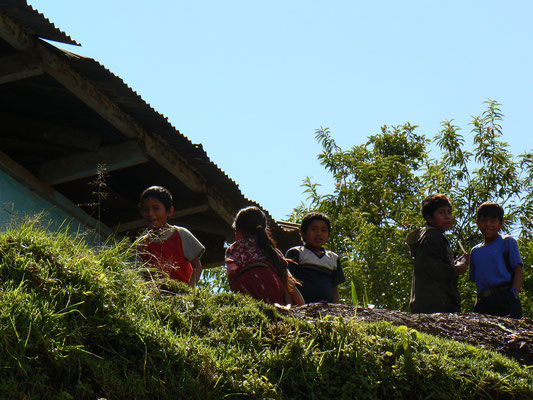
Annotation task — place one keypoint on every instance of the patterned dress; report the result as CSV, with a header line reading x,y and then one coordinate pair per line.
x,y
250,272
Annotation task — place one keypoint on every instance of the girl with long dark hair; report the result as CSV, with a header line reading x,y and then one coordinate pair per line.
x,y
255,266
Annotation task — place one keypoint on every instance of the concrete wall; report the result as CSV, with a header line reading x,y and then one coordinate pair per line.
x,y
19,198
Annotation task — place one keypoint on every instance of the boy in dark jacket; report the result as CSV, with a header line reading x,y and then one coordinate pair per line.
x,y
436,273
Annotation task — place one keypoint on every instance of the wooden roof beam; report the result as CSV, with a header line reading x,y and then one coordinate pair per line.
x,y
20,66
221,206
64,136
72,137
82,88
211,227
86,164
156,147
15,34
139,223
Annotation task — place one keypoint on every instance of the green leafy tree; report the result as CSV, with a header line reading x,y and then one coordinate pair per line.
x,y
379,187
375,199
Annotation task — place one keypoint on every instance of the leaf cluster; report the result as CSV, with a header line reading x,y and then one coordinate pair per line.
x,y
380,185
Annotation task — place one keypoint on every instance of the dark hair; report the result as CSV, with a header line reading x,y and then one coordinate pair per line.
x,y
160,193
251,221
314,216
433,202
490,209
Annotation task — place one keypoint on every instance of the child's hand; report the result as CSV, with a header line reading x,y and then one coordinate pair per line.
x,y
462,263
464,259
461,268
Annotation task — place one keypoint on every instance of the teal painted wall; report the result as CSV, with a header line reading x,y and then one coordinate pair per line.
x,y
18,201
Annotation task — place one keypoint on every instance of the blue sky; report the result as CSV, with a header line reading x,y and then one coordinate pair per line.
x,y
252,80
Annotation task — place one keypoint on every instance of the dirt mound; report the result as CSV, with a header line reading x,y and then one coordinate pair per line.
x,y
511,337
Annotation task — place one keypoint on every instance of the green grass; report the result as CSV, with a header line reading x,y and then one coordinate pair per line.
x,y
78,323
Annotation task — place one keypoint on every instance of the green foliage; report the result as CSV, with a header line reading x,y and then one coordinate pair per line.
x,y
79,323
214,280
379,187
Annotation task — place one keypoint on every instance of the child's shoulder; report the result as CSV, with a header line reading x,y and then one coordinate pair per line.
x,y
331,253
425,234
242,244
502,242
296,249
159,235
508,238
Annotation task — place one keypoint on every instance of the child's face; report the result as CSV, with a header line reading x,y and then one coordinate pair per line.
x,y
155,213
441,219
317,234
489,227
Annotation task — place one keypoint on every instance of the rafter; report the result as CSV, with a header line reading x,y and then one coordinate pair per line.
x,y
14,34
86,164
39,131
20,66
139,223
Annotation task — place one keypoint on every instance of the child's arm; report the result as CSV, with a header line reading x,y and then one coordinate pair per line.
x,y
196,272
462,263
518,277
335,292
296,297
433,256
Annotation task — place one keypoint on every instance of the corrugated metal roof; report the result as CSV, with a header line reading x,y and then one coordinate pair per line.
x,y
289,226
34,21
133,104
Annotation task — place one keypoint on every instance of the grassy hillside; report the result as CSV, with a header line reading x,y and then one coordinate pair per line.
x,y
78,323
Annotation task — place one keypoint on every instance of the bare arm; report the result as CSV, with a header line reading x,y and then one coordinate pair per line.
x,y
518,277
462,263
296,297
196,272
335,292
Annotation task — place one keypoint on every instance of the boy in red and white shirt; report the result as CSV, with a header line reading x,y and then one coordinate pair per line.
x,y
169,250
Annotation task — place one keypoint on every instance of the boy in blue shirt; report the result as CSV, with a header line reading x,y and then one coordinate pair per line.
x,y
496,266
318,270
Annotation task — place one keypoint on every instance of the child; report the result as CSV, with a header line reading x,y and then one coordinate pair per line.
x,y
172,250
255,266
319,270
496,266
435,274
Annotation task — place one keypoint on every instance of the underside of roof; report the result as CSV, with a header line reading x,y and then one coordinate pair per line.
x,y
73,127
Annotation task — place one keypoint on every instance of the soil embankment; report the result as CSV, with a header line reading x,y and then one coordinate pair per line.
x,y
511,337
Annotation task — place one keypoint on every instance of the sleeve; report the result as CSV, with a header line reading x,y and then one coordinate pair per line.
x,y
227,254
293,258
514,253
232,253
293,255
230,260
435,258
192,248
338,274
